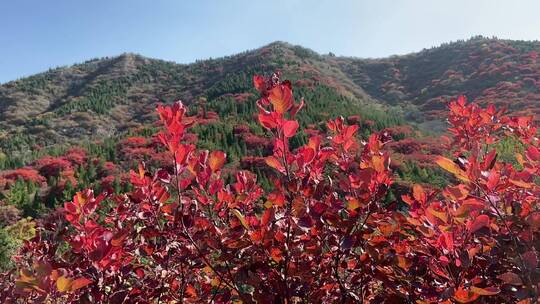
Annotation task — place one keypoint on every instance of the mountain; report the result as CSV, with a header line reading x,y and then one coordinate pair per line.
x,y
86,125
502,72
109,96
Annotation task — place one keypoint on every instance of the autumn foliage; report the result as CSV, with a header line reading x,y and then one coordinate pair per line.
x,y
327,232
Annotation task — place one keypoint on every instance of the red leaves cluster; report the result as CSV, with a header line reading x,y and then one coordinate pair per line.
x,y
52,166
279,97
326,233
26,174
479,237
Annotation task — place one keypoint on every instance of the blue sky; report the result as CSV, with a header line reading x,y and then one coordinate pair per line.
x,y
36,35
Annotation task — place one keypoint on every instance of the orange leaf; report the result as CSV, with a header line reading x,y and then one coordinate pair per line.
x,y
456,193
256,236
520,159
281,98
276,255
141,172
119,238
467,206
26,276
521,184
63,284
353,204
191,291
404,263
276,198
487,291
80,283
169,208
273,162
465,296
438,214
216,160
378,163
451,167
419,194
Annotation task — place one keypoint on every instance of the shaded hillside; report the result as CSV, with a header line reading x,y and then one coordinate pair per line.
x,y
503,72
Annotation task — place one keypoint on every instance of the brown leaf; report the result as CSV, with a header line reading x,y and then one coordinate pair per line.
x,y
510,278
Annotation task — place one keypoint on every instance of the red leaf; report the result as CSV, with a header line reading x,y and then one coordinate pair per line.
x,y
531,259
260,83
140,273
447,241
319,208
290,127
350,131
478,223
490,159
532,153
296,108
268,215
493,180
534,220
267,120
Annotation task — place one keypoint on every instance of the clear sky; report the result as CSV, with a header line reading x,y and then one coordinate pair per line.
x,y
38,34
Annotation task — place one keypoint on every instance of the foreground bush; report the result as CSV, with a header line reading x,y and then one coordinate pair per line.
x,y
328,232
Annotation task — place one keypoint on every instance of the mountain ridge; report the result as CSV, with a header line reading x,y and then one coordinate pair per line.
x,y
107,96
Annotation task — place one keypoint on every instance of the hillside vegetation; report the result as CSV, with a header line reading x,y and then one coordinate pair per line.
x,y
81,126
106,97
319,220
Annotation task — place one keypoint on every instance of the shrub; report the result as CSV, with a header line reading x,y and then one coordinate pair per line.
x,y
327,231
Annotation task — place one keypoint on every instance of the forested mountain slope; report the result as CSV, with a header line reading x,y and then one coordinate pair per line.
x,y
105,97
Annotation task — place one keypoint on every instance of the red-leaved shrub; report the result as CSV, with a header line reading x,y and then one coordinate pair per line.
x,y
326,233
